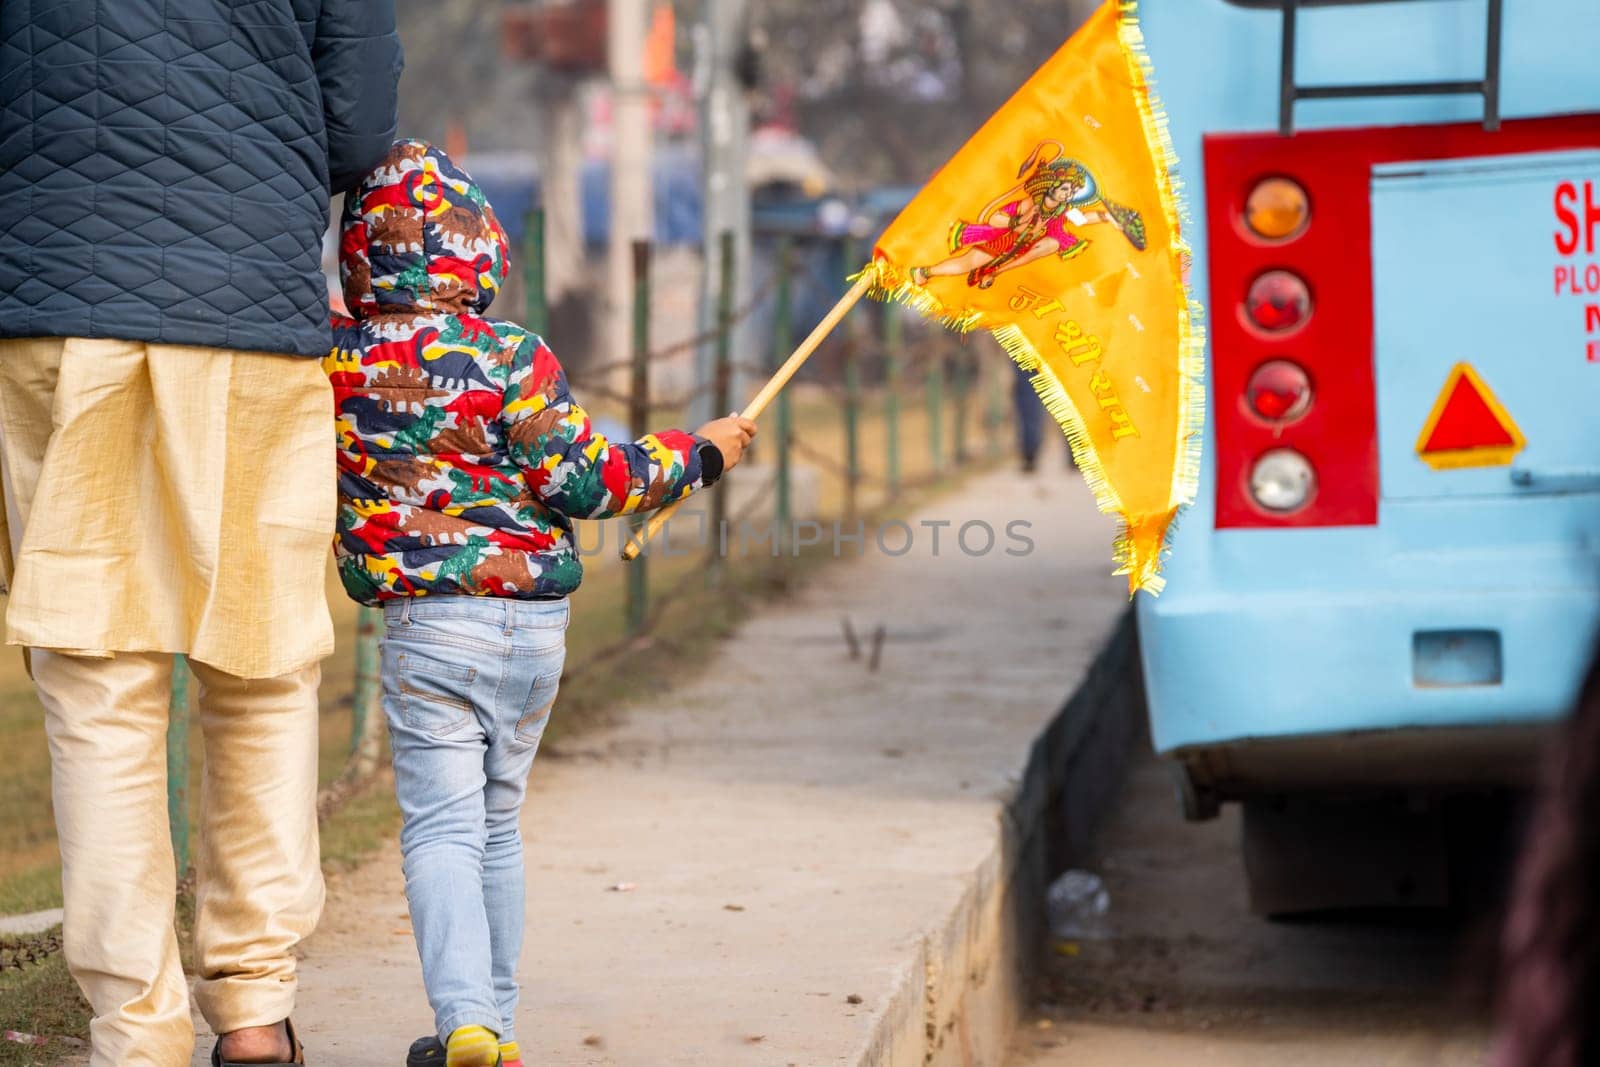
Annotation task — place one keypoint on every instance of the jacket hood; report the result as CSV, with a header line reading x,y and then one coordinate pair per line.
x,y
418,236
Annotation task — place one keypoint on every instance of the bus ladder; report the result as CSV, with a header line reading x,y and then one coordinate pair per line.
x,y
1288,91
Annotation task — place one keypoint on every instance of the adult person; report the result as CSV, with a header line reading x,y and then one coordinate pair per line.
x,y
1033,422
1031,416
165,173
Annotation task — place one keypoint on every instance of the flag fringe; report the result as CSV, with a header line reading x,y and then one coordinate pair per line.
x,y
892,285
1191,316
1061,408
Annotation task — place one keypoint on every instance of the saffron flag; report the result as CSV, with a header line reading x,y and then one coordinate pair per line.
x,y
1057,228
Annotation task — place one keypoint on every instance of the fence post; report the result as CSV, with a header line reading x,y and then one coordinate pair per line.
x,y
993,418
366,705
852,407
178,764
936,411
782,343
638,592
894,354
722,385
961,390
533,279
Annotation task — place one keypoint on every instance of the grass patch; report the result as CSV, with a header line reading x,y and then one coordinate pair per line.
x,y
32,889
41,999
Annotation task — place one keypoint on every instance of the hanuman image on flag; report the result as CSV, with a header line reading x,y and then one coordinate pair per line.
x,y
1029,221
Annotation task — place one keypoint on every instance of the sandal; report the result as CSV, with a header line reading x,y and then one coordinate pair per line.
x,y
298,1056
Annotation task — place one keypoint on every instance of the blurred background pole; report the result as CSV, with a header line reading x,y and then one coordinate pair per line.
x,y
178,764
961,387
722,385
852,425
632,218
936,409
561,156
720,68
852,403
894,354
366,705
994,399
638,591
534,284
782,345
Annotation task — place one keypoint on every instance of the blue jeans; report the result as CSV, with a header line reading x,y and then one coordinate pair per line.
x,y
468,683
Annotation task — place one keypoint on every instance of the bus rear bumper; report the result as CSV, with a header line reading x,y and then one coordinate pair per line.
x,y
1379,689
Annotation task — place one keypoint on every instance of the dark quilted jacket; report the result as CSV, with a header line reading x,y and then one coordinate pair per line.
x,y
165,165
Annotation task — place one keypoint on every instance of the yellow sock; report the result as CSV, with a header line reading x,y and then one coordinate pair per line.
x,y
471,1046
510,1054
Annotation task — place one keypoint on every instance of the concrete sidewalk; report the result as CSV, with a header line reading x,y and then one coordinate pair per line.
x,y
792,860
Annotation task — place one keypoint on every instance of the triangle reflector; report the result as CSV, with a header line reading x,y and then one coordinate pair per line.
x,y
1468,426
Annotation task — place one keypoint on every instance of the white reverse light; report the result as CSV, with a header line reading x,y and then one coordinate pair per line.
x,y
1282,480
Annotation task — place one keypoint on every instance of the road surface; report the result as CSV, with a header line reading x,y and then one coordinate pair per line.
x,y
1186,976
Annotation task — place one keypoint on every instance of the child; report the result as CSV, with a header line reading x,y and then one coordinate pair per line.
x,y
463,460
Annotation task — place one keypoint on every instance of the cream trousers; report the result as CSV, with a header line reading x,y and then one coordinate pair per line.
x,y
259,881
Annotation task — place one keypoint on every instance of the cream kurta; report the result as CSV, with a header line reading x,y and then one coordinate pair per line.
x,y
167,499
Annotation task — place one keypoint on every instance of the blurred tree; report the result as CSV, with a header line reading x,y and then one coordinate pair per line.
x,y
889,89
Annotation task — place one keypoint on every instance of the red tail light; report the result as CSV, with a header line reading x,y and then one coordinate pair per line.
x,y
1279,391
1278,301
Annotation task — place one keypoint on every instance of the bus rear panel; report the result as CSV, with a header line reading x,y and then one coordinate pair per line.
x,y
1390,576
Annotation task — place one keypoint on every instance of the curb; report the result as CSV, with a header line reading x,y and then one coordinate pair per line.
x,y
965,989
36,922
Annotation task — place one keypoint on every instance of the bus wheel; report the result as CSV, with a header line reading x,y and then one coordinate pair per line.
x,y
1309,853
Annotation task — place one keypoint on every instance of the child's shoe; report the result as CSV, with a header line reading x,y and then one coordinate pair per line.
x,y
472,1046
430,1052
426,1052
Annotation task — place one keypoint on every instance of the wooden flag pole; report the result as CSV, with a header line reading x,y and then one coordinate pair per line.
x,y
635,545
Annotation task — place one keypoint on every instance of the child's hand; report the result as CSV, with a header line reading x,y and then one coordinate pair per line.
x,y
731,435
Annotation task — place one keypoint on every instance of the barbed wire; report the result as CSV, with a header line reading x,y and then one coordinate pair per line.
x,y
916,358
17,953
828,464
690,343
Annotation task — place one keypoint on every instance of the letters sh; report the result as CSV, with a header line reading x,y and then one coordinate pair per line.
x,y
1577,223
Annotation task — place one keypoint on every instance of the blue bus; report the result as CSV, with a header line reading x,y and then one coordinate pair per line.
x,y
1389,585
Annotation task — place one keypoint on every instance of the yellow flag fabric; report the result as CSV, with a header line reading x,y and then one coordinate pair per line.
x,y
1057,228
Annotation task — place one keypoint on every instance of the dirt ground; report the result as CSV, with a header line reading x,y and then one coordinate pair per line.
x,y
1188,976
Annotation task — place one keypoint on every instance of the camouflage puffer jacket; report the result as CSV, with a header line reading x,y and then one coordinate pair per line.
x,y
463,456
